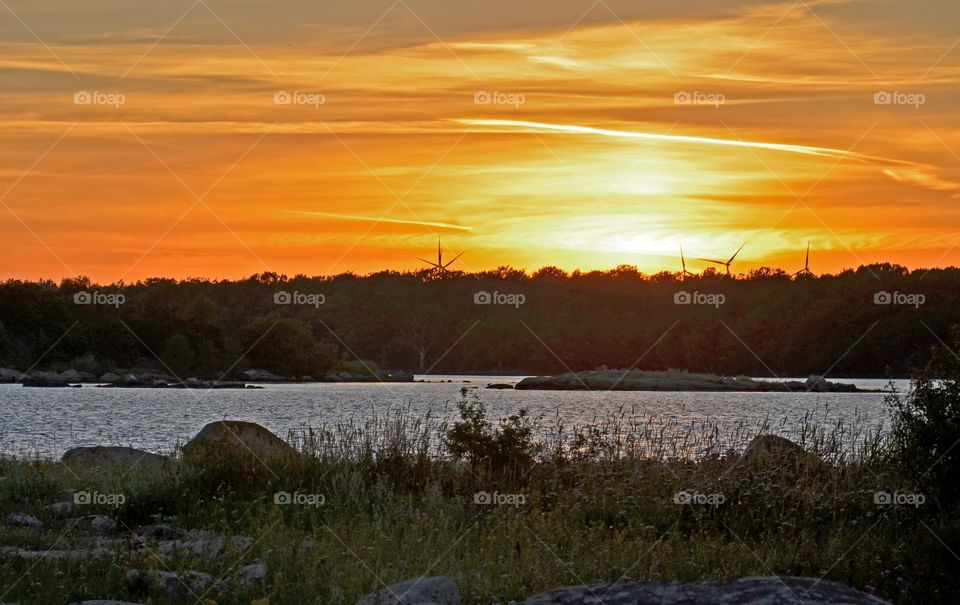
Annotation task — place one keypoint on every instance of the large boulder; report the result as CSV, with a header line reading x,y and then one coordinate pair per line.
x,y
237,437
769,590
127,461
765,447
425,590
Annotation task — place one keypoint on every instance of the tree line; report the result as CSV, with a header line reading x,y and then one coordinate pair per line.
x,y
876,320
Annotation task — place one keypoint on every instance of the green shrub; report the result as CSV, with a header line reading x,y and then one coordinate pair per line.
x,y
925,434
508,447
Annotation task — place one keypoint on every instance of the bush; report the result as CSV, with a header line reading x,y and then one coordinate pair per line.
x,y
509,446
925,435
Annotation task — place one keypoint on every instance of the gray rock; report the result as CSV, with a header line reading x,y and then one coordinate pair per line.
x,y
398,376
103,602
770,590
253,574
100,525
261,375
22,520
425,590
76,376
109,377
64,507
771,446
160,531
205,544
12,552
8,375
44,379
236,437
176,585
113,459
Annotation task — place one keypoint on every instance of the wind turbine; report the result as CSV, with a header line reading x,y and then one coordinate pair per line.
x,y
439,267
683,262
806,265
728,262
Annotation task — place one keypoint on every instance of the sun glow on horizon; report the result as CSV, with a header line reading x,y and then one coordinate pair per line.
x,y
522,141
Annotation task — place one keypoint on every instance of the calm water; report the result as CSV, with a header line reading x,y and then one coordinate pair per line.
x,y
46,422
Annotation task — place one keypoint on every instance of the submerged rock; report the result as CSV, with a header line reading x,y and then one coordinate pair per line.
x,y
433,590
768,590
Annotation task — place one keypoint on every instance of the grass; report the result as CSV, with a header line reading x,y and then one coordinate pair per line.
x,y
588,503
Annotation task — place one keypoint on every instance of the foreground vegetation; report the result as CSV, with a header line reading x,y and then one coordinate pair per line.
x,y
400,499
766,323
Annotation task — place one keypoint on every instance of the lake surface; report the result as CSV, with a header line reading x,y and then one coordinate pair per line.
x,y
46,422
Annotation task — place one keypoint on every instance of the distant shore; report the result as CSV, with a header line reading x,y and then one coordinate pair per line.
x,y
676,380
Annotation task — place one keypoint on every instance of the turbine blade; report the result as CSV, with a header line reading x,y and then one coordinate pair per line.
x,y
431,263
710,260
737,252
453,259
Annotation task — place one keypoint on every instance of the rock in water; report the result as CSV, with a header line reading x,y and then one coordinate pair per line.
x,y
113,459
425,590
236,437
769,590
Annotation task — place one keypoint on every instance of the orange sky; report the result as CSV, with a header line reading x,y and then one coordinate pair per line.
x,y
186,165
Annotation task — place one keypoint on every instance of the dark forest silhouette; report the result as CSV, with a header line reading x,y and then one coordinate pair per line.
x,y
877,320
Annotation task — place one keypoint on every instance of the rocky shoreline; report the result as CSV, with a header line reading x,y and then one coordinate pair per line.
x,y
672,380
178,549
157,380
